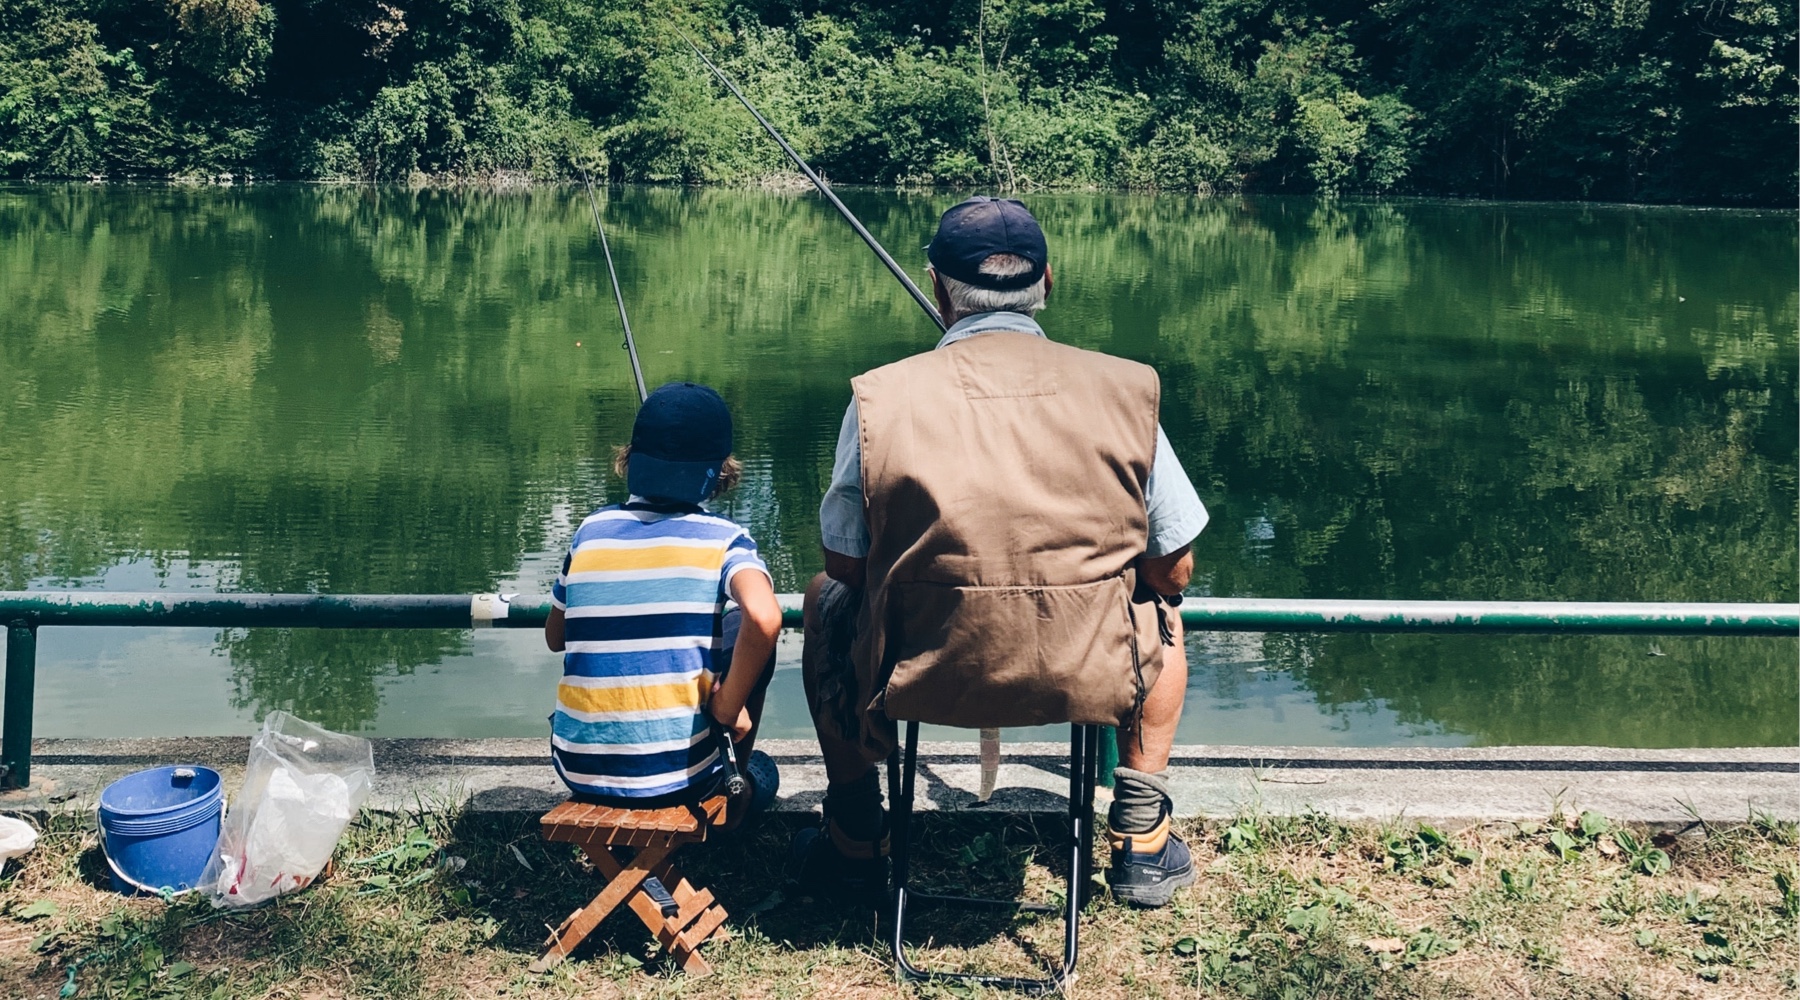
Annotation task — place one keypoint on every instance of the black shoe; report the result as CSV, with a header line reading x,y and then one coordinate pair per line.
x,y
816,863
1149,878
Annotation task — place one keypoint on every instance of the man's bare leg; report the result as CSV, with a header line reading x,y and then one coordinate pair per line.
x,y
1150,861
844,762
853,790
1146,746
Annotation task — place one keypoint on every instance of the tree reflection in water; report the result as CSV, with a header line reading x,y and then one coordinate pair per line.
x,y
375,390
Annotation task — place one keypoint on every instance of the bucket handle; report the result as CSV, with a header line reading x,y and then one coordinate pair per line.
x,y
165,892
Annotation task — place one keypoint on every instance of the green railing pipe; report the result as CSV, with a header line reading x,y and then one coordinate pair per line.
x,y
210,610
1217,614
15,727
24,612
170,609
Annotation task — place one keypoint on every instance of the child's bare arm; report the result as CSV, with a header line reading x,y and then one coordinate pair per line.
x,y
553,630
755,595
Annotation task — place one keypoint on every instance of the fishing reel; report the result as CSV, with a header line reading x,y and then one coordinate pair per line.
x,y
735,782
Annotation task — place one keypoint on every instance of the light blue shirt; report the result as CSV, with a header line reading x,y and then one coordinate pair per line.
x,y
1176,513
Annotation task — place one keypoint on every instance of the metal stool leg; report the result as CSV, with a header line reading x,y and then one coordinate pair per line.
x,y
900,830
1084,757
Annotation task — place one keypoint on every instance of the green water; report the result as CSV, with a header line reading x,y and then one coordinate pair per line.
x,y
360,390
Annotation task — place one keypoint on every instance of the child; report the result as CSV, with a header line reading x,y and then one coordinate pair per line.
x,y
652,660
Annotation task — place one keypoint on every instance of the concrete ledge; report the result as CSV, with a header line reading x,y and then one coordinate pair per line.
x,y
1455,787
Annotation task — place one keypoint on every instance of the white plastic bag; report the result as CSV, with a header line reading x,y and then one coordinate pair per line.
x,y
301,787
16,838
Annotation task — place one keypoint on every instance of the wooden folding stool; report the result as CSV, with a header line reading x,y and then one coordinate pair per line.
x,y
651,836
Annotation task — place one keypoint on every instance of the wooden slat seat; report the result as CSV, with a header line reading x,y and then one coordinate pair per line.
x,y
651,836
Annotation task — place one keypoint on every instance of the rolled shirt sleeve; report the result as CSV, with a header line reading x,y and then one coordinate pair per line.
x,y
1176,514
741,555
841,525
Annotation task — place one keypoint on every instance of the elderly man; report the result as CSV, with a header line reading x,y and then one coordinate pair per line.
x,y
1005,533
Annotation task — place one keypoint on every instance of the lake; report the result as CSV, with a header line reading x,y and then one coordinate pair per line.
x,y
366,390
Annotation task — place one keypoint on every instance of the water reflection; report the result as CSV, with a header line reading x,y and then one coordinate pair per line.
x,y
362,390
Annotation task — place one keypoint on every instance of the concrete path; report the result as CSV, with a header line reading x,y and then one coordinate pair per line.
x,y
1455,787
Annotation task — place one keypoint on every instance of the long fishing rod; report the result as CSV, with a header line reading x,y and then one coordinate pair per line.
x,y
824,189
637,370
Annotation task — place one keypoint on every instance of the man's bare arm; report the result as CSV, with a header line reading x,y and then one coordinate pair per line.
x,y
1165,574
847,570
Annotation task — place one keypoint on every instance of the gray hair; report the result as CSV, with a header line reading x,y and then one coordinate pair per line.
x,y
968,299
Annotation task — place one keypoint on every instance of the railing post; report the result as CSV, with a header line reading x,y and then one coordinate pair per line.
x,y
1109,755
21,680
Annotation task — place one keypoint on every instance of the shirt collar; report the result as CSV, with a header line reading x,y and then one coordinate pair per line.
x,y
989,322
634,498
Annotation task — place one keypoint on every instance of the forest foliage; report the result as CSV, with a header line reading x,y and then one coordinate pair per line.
x,y
1647,100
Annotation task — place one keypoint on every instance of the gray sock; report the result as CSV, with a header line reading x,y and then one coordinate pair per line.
x,y
1139,799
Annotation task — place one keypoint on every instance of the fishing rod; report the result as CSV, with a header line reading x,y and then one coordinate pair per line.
x,y
824,189
630,345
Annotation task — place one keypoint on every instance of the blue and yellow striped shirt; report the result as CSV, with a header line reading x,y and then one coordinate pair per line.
x,y
642,594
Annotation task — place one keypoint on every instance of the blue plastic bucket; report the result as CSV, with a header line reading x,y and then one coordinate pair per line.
x,y
160,826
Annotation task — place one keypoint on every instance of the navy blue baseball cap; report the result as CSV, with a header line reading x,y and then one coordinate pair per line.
x,y
977,229
681,437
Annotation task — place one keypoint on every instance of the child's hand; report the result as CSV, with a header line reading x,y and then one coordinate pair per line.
x,y
739,725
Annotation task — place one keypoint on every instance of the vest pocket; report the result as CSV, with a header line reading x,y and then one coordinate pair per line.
x,y
1017,656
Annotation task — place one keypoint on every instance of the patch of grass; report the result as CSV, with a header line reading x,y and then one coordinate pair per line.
x,y
442,904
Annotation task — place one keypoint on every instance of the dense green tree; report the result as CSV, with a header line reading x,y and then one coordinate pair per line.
x,y
1630,99
1674,100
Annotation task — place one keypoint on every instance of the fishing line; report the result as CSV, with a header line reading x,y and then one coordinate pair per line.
x,y
824,189
630,345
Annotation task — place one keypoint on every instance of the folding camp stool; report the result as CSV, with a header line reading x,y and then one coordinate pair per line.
x,y
1084,768
651,837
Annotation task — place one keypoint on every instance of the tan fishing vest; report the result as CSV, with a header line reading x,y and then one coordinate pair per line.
x,y
1003,485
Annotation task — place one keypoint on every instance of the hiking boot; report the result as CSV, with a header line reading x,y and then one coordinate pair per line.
x,y
828,863
1147,868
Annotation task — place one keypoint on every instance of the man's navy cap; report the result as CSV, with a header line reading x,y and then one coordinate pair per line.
x,y
977,229
681,437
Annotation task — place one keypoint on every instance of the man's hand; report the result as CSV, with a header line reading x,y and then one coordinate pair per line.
x,y
1167,574
737,723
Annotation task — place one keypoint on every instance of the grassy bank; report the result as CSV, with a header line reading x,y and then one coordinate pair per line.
x,y
455,905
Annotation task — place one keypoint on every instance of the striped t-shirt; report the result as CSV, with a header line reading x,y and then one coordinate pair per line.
x,y
642,592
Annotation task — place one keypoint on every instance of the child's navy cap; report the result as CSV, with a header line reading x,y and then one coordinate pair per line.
x,y
681,437
977,229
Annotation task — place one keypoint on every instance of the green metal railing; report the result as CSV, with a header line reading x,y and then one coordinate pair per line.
x,y
23,613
